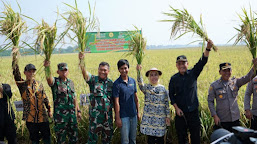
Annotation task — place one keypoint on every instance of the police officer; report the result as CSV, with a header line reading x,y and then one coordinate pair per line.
x,y
251,113
225,91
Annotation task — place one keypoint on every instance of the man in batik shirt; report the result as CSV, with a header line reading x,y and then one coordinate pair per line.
x,y
35,103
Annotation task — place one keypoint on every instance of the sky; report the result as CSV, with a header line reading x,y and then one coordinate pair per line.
x,y
219,16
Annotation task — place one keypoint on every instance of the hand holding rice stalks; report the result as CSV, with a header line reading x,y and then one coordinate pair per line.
x,y
12,26
46,40
247,32
184,22
137,45
80,25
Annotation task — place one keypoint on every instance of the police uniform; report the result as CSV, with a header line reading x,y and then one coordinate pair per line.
x,y
225,93
251,89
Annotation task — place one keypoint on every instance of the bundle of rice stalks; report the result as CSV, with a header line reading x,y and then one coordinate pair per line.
x,y
137,45
80,25
46,40
184,23
247,31
12,26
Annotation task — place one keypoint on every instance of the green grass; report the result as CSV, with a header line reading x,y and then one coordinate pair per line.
x,y
164,60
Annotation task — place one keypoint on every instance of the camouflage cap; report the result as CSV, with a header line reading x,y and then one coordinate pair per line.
x,y
181,58
224,66
29,67
62,66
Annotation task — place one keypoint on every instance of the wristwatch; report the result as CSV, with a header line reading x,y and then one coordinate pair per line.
x,y
208,49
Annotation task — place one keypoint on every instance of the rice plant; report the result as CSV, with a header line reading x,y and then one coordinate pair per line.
x,y
137,45
12,26
184,23
247,31
80,25
47,40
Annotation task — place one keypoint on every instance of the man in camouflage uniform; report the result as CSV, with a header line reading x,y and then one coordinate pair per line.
x,y
65,105
101,103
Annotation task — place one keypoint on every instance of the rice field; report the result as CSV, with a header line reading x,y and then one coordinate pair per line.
x,y
239,57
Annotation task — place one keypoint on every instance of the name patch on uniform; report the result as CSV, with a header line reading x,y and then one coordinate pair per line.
x,y
131,84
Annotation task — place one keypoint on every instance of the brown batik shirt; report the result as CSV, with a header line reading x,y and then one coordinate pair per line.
x,y
34,98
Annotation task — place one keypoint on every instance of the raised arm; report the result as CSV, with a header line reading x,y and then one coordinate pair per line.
x,y
15,67
140,79
49,77
198,67
83,68
251,74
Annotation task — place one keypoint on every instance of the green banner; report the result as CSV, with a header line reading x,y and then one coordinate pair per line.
x,y
107,41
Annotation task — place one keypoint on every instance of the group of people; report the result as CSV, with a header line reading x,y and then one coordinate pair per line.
x,y
122,96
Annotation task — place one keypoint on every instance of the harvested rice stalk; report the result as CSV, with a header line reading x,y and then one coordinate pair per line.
x,y
184,23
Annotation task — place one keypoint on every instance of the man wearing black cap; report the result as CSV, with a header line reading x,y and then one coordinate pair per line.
x,y
225,91
183,96
65,105
35,103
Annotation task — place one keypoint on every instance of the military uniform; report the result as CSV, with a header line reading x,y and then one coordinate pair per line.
x,y
225,93
64,110
100,109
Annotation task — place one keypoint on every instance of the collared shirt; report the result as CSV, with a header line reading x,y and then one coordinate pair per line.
x,y
125,91
183,88
100,96
156,109
34,98
226,94
63,98
251,89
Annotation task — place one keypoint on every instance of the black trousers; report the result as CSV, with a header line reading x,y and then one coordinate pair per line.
x,y
190,121
155,140
254,123
38,131
227,125
8,130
